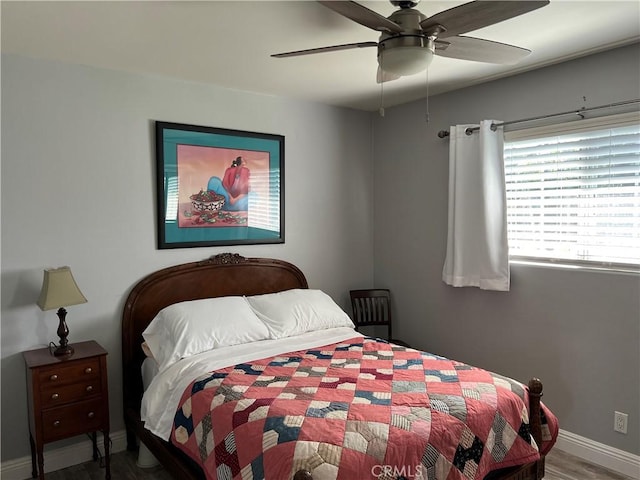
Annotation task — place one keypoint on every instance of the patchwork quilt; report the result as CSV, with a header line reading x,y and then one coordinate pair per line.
x,y
355,410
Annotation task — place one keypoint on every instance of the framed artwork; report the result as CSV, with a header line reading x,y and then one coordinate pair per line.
x,y
218,187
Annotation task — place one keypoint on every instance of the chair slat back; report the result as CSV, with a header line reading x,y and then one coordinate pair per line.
x,y
371,307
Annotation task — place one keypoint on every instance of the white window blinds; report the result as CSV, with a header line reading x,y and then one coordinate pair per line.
x,y
573,192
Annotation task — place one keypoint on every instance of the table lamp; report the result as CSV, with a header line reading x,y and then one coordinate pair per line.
x,y
59,290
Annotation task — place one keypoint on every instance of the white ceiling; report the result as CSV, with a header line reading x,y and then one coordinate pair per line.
x,y
229,43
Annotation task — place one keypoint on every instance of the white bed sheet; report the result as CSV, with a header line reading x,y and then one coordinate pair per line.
x,y
161,398
149,371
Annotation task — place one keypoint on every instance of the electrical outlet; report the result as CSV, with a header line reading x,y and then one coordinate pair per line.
x,y
620,422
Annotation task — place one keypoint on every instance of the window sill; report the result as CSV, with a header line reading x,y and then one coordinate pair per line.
x,y
624,269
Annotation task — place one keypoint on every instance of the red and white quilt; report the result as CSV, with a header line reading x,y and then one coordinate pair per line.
x,y
353,410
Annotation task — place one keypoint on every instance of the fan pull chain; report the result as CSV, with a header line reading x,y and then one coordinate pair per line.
x,y
427,99
381,73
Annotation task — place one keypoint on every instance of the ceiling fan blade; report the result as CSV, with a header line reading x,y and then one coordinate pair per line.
x,y
478,14
382,76
334,48
362,15
479,50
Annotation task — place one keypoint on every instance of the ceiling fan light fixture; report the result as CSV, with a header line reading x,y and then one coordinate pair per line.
x,y
406,60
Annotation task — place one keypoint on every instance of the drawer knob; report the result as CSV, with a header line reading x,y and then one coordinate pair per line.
x,y
56,423
55,396
88,370
89,388
91,415
53,377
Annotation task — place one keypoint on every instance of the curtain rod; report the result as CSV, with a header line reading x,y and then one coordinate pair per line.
x,y
579,112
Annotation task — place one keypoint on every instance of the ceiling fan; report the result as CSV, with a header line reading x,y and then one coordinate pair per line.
x,y
409,39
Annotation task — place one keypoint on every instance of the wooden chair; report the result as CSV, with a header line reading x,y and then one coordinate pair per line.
x,y
372,307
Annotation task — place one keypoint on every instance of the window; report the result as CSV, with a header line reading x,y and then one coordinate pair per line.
x,y
573,192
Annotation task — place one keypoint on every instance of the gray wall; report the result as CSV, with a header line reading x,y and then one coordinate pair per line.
x,y
78,189
579,331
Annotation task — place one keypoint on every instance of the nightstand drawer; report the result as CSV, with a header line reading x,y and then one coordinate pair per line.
x,y
81,417
88,369
52,396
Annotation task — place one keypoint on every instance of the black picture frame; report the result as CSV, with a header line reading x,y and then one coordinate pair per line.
x,y
218,186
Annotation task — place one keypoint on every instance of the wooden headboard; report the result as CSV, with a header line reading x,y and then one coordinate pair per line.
x,y
221,275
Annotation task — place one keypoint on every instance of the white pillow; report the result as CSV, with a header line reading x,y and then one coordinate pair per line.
x,y
188,328
297,311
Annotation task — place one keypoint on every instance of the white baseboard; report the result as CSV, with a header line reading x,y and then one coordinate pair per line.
x,y
600,454
608,457
63,457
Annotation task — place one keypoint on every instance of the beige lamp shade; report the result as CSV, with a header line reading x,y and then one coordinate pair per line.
x,y
59,289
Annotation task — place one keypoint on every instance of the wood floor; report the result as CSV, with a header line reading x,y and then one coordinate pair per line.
x,y
560,466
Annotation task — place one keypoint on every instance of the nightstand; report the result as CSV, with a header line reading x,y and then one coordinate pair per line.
x,y
67,396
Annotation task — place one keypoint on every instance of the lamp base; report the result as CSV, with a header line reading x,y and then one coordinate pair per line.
x,y
63,350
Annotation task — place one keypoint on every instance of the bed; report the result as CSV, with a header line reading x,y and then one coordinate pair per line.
x,y
515,453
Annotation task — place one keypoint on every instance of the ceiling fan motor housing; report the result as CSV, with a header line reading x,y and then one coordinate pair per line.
x,y
405,3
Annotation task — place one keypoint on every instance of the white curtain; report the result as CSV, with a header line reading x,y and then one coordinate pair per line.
x,y
477,249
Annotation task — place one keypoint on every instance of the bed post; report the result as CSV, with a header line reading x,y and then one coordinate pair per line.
x,y
535,421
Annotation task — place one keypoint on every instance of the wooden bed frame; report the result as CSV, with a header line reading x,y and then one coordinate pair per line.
x,y
224,275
